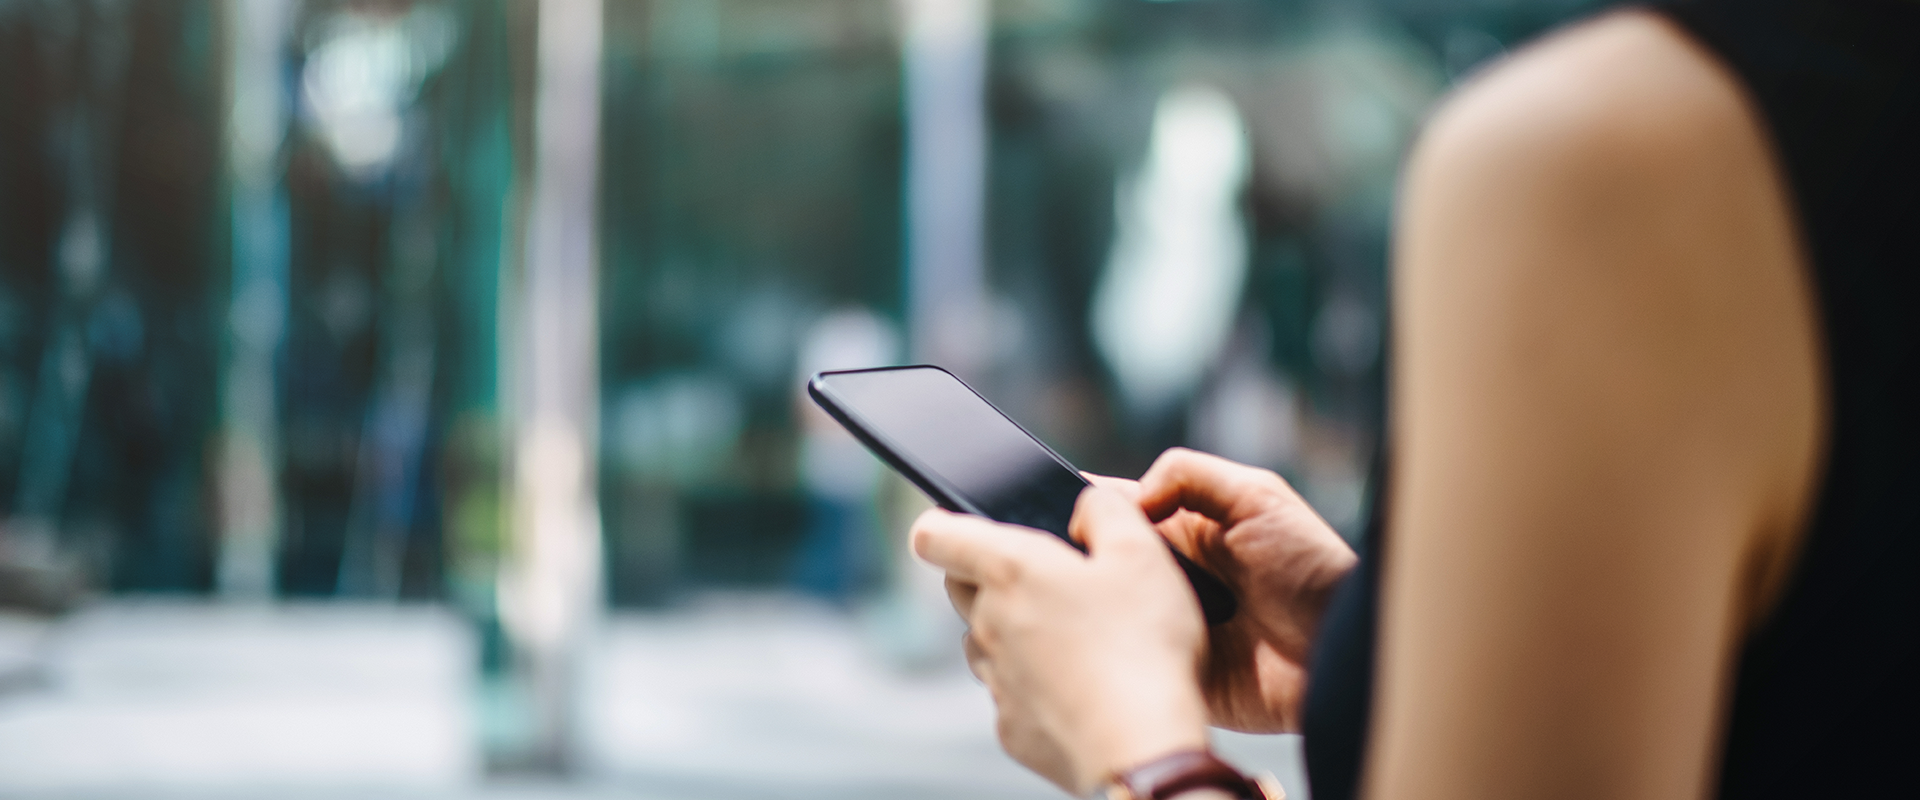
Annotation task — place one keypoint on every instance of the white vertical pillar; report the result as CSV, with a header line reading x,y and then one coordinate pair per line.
x,y
944,66
550,592
248,459
944,57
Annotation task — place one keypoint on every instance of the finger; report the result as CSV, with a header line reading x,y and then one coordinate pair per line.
x,y
1221,490
1106,522
1187,530
977,661
962,595
1127,488
979,551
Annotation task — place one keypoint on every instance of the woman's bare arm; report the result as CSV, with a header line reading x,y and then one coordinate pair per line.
x,y
1607,421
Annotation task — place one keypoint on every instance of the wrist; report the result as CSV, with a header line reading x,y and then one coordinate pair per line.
x,y
1117,745
1119,756
1195,774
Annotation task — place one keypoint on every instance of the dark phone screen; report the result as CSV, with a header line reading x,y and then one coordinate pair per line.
x,y
934,420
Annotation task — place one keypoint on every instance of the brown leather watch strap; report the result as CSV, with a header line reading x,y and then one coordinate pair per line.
x,y
1183,771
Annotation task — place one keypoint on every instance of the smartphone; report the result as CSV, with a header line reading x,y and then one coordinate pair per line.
x,y
971,458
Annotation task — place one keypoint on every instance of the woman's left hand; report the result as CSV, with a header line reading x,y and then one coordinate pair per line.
x,y
1093,661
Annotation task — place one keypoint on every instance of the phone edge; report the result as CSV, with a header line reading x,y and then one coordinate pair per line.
x,y
1051,453
1217,609
878,444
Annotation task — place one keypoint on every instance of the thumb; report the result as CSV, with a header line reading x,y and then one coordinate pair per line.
x,y
1105,520
1129,489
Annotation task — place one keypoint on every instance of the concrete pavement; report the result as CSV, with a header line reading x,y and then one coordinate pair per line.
x,y
732,696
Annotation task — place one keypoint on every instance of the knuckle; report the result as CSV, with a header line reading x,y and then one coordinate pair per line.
x,y
1002,571
982,639
1273,490
977,660
1013,731
1166,459
1178,458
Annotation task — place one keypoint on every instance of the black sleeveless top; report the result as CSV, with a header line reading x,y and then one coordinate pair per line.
x,y
1826,699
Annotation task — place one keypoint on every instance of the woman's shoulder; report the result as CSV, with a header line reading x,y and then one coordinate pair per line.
x,y
1628,94
1617,151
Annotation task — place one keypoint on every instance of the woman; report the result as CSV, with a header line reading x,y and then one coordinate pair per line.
x,y
1651,526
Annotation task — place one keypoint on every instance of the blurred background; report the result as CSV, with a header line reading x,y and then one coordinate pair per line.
x,y
404,398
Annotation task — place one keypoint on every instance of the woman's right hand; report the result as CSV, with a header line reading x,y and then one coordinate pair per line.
x,y
1248,526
